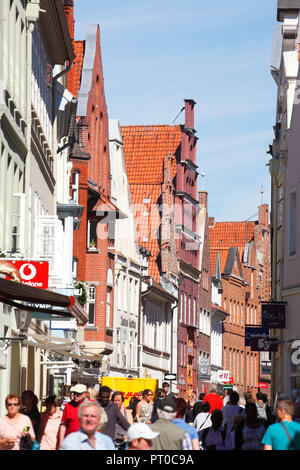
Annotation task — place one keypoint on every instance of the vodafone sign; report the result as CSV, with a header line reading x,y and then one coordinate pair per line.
x,y
31,273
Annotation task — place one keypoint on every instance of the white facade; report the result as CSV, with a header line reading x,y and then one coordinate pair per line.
x,y
124,359
285,171
29,139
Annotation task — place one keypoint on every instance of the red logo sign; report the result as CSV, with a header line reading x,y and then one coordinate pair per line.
x,y
31,273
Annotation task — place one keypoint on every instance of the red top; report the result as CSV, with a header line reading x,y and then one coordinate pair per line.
x,y
70,417
215,401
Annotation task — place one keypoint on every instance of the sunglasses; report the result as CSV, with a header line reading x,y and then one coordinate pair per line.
x,y
13,404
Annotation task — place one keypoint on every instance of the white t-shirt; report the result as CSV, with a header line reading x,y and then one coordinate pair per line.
x,y
202,421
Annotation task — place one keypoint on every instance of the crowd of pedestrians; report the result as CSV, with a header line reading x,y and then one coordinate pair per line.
x,y
87,420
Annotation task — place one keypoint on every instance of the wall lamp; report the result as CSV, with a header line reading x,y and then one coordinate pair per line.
x,y
23,319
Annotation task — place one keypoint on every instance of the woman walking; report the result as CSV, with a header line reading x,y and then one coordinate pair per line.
x,y
118,399
144,408
14,426
249,433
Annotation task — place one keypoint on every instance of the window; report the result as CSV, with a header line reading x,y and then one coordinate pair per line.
x,y
17,224
90,305
92,234
108,302
74,268
292,224
75,186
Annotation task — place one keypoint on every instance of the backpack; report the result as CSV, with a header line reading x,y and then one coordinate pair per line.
x,y
204,435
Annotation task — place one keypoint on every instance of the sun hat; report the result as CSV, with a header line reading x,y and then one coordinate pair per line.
x,y
140,431
78,388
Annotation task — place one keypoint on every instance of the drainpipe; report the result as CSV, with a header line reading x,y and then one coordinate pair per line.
x,y
172,343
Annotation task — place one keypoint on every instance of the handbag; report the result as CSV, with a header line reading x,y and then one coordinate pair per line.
x,y
288,435
26,443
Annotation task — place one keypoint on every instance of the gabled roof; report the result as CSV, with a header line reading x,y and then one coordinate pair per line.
x,y
145,148
226,235
74,76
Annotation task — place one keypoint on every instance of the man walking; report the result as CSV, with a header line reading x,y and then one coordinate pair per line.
x,y
70,420
114,415
284,435
171,437
140,436
87,438
215,401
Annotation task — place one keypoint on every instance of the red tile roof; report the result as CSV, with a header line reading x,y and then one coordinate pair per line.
x,y
74,76
144,150
224,235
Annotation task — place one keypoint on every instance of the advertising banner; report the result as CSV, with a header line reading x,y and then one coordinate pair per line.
x,y
31,273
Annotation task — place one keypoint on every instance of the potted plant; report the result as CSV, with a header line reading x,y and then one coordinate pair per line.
x,y
93,244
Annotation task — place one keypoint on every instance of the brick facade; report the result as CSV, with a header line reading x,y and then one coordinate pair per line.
x,y
188,257
90,158
244,249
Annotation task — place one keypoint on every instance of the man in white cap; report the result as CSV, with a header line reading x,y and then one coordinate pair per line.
x,y
70,421
139,436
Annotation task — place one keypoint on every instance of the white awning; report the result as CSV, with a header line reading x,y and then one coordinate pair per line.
x,y
67,347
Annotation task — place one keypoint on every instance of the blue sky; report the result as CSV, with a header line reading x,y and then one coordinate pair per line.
x,y
156,53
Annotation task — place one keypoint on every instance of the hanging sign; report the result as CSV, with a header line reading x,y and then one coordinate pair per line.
x,y
273,315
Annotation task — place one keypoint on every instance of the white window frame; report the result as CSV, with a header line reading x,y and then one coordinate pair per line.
x,y
21,222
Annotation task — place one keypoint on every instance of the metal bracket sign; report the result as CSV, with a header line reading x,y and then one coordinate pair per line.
x,y
170,377
273,314
264,344
251,331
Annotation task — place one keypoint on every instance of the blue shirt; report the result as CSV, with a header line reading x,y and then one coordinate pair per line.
x,y
276,437
187,427
80,441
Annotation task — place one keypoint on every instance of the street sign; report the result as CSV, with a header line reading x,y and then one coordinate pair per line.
x,y
254,331
262,385
264,344
170,377
273,314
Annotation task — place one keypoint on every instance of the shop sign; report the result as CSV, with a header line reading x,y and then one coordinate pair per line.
x,y
262,385
264,344
223,376
273,315
31,273
204,370
253,331
170,377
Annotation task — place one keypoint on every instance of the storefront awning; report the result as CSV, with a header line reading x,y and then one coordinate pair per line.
x,y
66,347
34,299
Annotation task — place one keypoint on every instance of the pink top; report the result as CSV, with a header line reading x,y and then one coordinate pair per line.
x,y
49,430
13,428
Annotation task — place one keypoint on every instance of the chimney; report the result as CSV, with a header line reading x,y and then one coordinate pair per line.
x,y
263,215
82,136
202,198
211,221
69,13
189,113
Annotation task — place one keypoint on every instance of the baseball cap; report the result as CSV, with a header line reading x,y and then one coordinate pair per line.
x,y
140,431
78,388
167,404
